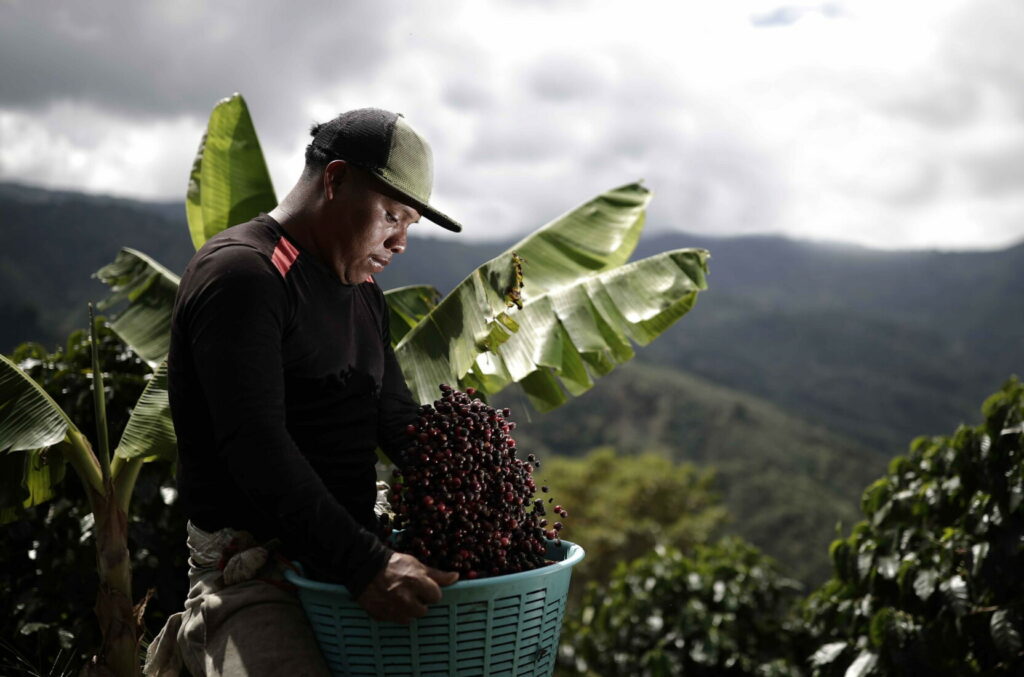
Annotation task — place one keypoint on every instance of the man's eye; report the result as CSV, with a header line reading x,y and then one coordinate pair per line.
x,y
391,217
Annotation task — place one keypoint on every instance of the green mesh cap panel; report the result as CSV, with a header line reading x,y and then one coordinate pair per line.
x,y
410,167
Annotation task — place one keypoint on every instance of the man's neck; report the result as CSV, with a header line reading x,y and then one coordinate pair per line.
x,y
297,219
298,214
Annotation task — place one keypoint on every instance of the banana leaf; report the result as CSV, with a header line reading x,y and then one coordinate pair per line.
x,y
29,418
149,289
407,306
30,424
571,335
149,433
598,235
229,182
476,318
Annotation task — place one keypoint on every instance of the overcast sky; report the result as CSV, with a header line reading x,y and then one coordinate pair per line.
x,y
891,123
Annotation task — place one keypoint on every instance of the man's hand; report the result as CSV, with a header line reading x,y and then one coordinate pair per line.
x,y
403,589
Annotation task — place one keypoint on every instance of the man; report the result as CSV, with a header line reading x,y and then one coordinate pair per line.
x,y
282,384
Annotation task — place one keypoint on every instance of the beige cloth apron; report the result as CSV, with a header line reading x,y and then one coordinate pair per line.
x,y
240,618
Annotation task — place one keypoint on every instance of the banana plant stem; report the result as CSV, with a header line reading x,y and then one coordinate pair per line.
x,y
99,400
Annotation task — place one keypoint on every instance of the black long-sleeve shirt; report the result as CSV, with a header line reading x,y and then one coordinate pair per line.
x,y
282,383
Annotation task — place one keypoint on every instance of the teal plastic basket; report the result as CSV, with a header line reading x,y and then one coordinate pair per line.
x,y
504,625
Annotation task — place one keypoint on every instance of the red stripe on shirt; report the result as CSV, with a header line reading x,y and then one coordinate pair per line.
x,y
284,256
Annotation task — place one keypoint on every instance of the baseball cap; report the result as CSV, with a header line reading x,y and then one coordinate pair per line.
x,y
389,148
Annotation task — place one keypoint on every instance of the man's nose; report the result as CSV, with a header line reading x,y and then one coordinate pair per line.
x,y
397,242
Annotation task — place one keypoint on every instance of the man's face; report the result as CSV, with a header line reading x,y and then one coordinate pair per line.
x,y
369,226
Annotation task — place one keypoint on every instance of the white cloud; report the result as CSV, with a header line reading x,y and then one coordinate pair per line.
x,y
79,147
890,123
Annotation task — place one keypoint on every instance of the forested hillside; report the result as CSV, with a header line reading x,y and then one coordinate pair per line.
x,y
785,482
799,371
55,241
881,346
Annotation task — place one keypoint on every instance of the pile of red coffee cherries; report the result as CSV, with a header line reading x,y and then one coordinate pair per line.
x,y
463,499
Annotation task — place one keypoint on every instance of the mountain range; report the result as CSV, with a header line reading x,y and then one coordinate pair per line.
x,y
801,369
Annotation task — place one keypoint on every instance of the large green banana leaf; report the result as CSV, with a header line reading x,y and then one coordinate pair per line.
x,y
475,317
149,433
576,332
563,339
149,289
30,423
229,182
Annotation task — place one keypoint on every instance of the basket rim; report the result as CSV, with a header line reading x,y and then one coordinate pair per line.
x,y
573,556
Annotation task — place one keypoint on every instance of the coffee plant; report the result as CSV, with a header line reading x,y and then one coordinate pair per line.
x,y
721,612
931,582
463,499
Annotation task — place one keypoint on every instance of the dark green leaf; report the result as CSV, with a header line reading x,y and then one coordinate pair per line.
x,y
888,566
31,424
149,290
1005,635
979,551
407,306
956,592
925,582
863,665
827,654
29,418
29,478
882,628
864,561
875,495
150,431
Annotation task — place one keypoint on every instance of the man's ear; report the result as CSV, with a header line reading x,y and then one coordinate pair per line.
x,y
335,172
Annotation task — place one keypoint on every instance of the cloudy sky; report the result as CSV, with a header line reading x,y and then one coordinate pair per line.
x,y
890,123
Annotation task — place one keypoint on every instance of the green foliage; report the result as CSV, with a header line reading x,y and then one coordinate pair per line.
x,y
407,306
149,290
622,507
785,483
565,338
65,375
930,583
577,307
150,430
720,612
47,558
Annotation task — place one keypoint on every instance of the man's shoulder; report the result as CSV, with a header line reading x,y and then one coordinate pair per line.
x,y
242,256
251,246
255,236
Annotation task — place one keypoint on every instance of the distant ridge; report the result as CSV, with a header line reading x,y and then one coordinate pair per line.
x,y
801,368
878,345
